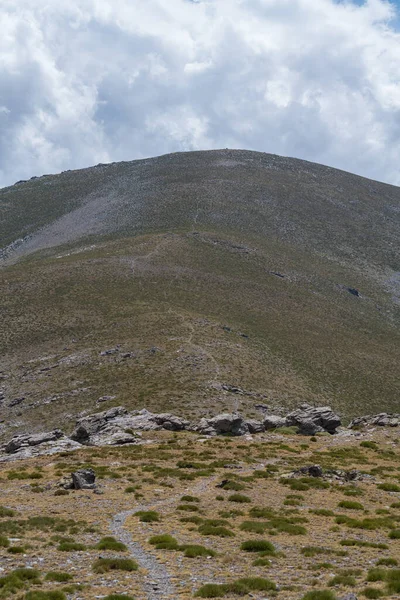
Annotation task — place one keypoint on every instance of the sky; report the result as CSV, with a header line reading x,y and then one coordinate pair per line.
x,y
89,81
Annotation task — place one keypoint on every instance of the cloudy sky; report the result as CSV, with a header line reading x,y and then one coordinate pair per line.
x,y
88,81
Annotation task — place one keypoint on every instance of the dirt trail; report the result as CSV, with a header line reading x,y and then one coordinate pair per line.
x,y
157,582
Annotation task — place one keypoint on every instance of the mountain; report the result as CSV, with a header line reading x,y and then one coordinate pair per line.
x,y
198,282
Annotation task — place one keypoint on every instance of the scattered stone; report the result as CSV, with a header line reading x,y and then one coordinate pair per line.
x,y
380,420
354,292
16,401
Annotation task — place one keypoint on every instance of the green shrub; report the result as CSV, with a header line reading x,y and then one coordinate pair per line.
x,y
351,505
219,531
103,565
164,542
393,581
254,526
61,493
370,445
387,562
194,519
211,590
363,544
148,516
4,541
395,534
110,543
40,595
118,597
372,593
376,574
389,487
6,512
71,547
190,499
258,546
241,498
16,550
347,580
257,584
233,486
188,507
58,576
194,550
130,489
319,595
322,512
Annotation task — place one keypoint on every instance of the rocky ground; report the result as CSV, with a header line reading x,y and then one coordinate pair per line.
x,y
237,515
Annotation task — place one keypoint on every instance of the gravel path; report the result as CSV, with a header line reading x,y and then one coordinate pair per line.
x,y
157,582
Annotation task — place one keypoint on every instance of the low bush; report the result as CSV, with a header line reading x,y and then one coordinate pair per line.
x,y
387,562
373,593
110,543
393,581
351,505
258,546
148,516
41,595
71,547
164,542
194,550
395,534
219,531
389,487
240,498
6,512
376,574
103,565
346,580
188,507
319,595
58,576
190,499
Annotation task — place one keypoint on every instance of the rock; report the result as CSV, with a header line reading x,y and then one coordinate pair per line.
x,y
255,426
274,421
84,479
321,417
36,439
308,427
229,423
171,422
349,597
93,424
311,471
224,423
380,420
261,407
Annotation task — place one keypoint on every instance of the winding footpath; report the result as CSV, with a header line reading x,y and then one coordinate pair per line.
x,y
158,582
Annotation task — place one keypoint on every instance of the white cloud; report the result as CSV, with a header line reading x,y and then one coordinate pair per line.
x,y
88,81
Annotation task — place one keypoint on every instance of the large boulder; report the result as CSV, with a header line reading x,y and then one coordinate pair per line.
x,y
274,422
228,423
84,479
171,422
255,426
313,419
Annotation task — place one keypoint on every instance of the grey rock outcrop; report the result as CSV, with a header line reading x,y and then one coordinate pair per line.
x,y
314,419
89,426
36,439
274,422
170,422
380,420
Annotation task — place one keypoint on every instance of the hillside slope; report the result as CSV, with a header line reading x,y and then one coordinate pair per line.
x,y
200,273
